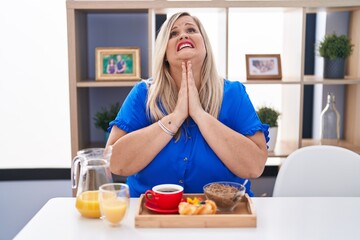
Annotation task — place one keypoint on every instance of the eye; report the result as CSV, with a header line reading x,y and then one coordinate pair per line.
x,y
173,34
191,30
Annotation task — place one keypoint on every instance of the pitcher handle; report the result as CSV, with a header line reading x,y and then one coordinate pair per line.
x,y
74,172
107,153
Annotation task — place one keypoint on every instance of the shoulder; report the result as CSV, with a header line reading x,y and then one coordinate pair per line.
x,y
142,86
233,87
235,95
138,92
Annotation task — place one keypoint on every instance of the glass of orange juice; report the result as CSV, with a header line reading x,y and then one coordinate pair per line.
x,y
87,203
113,202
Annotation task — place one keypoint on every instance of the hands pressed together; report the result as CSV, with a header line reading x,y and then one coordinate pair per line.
x,y
188,103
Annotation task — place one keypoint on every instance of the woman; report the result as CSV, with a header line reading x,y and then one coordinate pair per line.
x,y
186,125
111,67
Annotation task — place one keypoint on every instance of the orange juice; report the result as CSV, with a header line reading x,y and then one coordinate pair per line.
x,y
114,210
87,203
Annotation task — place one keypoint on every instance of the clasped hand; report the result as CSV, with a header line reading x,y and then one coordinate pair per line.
x,y
188,103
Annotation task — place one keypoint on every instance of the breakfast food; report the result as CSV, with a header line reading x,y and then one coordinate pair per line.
x,y
226,195
197,206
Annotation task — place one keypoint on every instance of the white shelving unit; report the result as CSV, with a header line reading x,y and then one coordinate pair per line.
x,y
84,89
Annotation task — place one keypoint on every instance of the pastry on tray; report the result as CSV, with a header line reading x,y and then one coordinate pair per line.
x,y
197,206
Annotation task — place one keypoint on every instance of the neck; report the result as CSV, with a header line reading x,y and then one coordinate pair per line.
x,y
176,73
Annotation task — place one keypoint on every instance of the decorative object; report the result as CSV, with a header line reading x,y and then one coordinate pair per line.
x,y
270,116
335,49
330,120
117,63
263,66
105,116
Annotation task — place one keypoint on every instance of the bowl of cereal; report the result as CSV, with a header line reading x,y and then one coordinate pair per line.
x,y
226,195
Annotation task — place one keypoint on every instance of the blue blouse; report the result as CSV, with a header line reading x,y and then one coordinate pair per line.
x,y
190,161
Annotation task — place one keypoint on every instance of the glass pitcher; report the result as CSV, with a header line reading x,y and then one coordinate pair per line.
x,y
90,169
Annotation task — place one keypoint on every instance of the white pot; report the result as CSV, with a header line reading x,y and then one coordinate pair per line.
x,y
273,131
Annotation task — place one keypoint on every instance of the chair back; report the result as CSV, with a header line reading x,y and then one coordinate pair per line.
x,y
319,171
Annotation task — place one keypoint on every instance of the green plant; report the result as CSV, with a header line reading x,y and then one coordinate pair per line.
x,y
333,47
105,116
268,115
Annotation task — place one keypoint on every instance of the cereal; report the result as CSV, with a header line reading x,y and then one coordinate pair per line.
x,y
223,194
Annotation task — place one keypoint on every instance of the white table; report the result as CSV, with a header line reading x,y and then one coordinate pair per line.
x,y
277,218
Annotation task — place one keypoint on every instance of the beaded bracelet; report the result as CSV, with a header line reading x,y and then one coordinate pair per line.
x,y
165,129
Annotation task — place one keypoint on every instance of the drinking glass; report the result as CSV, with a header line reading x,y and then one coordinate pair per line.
x,y
113,202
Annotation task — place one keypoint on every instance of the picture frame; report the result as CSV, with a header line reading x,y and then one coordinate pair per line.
x,y
263,67
117,63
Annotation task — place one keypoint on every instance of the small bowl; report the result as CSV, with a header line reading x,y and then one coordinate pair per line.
x,y
226,195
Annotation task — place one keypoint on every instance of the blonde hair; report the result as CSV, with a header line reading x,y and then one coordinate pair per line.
x,y
163,93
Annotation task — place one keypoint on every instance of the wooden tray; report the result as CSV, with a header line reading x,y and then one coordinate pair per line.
x,y
242,216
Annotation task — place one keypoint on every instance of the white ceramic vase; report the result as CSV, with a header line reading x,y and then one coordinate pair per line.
x,y
273,131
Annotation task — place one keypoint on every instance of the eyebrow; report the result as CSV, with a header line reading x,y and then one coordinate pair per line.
x,y
187,23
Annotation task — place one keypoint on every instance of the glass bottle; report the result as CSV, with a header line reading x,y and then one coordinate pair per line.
x,y
330,120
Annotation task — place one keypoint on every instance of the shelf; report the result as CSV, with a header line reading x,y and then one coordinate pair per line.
x,y
88,28
124,4
106,83
341,143
271,82
274,161
283,149
331,9
310,80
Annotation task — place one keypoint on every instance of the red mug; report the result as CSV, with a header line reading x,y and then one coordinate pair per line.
x,y
165,196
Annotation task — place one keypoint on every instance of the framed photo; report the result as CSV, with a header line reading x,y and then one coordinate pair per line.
x,y
263,66
117,63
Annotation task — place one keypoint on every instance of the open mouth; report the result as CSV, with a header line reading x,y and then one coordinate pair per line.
x,y
183,45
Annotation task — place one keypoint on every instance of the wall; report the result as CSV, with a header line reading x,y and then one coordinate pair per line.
x,y
34,85
34,106
263,187
21,200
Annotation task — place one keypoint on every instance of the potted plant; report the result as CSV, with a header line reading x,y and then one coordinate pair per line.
x,y
103,117
270,116
335,49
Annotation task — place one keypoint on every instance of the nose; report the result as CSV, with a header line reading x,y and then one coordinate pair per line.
x,y
183,36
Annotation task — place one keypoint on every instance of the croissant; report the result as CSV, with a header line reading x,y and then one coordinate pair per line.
x,y
186,208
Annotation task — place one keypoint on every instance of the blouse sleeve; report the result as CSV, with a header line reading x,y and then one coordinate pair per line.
x,y
244,118
132,114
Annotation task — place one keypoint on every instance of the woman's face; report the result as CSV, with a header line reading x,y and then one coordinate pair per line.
x,y
185,43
